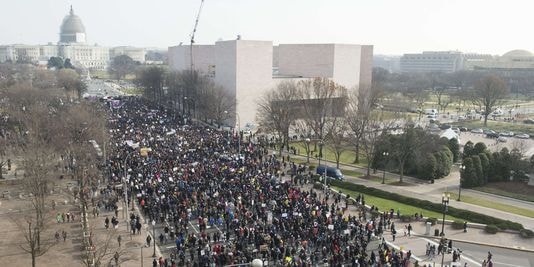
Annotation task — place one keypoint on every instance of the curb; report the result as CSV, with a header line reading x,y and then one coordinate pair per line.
x,y
499,196
478,243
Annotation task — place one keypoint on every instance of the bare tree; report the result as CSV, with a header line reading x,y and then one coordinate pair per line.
x,y
103,249
152,80
121,66
70,80
214,102
487,93
336,139
34,244
322,102
360,105
443,99
276,110
419,96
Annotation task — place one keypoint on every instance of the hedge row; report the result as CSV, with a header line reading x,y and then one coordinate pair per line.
x,y
425,204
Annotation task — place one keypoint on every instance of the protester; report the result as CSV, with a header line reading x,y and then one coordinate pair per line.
x,y
191,178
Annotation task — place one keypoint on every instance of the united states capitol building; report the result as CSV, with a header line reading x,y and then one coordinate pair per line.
x,y
72,45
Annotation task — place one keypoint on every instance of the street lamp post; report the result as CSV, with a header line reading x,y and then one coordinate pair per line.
x,y
307,140
445,201
321,144
238,130
154,237
462,169
126,191
385,154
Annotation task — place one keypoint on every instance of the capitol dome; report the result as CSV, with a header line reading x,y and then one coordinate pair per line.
x,y
72,29
518,53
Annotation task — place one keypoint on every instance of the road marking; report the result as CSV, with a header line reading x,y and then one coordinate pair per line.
x,y
218,229
476,263
502,263
398,248
194,228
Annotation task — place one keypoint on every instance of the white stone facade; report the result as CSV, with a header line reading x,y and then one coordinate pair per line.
x,y
72,45
137,54
247,69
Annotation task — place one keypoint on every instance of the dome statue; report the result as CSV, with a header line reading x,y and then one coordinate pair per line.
x,y
72,29
518,53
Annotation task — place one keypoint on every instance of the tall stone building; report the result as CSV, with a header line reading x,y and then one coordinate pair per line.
x,y
247,69
73,44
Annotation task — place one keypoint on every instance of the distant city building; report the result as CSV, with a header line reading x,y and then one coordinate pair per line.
x,y
72,45
389,63
512,60
432,61
247,69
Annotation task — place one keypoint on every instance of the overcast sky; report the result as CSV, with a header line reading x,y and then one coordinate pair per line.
x,y
392,26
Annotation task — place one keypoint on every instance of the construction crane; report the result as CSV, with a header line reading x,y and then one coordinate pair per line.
x,y
193,34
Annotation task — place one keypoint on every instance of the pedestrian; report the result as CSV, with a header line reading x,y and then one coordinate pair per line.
x,y
57,236
410,230
64,234
148,240
119,239
106,222
465,227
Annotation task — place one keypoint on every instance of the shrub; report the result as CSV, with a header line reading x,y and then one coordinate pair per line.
x,y
432,220
457,225
406,218
526,233
437,207
491,229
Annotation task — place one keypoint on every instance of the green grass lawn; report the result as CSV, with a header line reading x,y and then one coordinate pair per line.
x,y
386,204
511,193
494,205
347,157
499,126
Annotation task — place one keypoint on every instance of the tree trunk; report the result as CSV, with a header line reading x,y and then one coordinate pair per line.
x,y
357,157
486,119
369,168
401,171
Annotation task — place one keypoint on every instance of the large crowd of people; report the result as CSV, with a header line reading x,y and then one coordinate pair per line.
x,y
221,202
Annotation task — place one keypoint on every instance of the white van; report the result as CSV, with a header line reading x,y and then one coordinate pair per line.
x,y
431,111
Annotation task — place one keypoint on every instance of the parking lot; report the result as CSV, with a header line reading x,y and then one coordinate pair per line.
x,y
526,146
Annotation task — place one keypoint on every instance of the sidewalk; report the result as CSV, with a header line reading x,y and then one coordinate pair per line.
x,y
433,193
417,242
132,245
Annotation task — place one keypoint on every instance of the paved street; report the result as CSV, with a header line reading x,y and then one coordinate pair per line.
x,y
432,192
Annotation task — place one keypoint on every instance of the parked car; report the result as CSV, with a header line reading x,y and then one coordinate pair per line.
x,y
456,129
488,131
507,134
529,121
523,136
461,118
492,134
477,131
444,126
502,139
431,117
463,129
330,172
